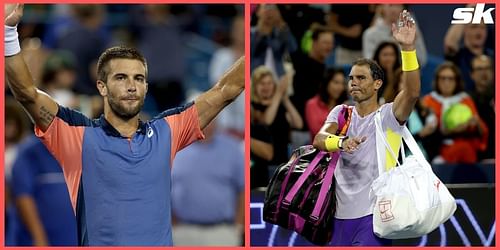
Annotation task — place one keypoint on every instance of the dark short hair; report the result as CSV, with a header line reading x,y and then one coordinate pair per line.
x,y
376,71
323,87
119,52
381,46
318,31
459,86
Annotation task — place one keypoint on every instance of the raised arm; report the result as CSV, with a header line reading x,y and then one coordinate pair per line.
x,y
41,107
230,85
405,33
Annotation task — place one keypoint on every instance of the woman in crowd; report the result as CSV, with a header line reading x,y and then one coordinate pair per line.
x,y
272,107
464,133
387,56
332,92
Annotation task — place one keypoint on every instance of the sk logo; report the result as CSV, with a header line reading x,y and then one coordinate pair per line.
x,y
385,211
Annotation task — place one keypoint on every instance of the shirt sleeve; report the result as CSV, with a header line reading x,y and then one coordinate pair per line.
x,y
185,129
64,138
333,116
389,120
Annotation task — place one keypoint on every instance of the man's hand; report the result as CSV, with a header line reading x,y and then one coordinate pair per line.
x,y
404,32
352,144
13,14
236,76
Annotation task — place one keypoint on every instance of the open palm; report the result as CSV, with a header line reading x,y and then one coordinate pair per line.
x,y
13,14
405,31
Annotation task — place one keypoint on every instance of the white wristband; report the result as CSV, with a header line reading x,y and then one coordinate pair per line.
x,y
12,46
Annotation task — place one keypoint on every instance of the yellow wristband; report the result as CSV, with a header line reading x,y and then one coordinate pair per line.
x,y
332,143
409,60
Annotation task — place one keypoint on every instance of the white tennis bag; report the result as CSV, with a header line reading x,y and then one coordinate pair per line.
x,y
410,200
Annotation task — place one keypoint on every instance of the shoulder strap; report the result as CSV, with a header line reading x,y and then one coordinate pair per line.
x,y
344,119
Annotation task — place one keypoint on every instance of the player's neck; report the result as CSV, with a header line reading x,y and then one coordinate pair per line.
x,y
126,128
367,107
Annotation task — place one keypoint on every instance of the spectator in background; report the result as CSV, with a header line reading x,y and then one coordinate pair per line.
x,y
261,153
159,38
387,56
484,98
231,119
208,201
381,31
59,76
474,40
86,41
16,127
310,68
332,92
273,108
300,18
42,198
270,40
348,21
463,141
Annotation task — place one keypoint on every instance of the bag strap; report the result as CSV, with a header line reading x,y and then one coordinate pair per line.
x,y
415,149
296,186
300,152
407,137
344,119
327,182
380,137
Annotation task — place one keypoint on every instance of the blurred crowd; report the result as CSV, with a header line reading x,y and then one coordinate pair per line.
x,y
188,48
300,61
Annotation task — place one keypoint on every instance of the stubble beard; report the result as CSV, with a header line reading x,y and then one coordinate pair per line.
x,y
122,111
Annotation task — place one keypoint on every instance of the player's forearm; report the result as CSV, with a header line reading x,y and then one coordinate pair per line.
x,y
19,79
319,140
410,93
406,99
40,106
229,87
231,84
